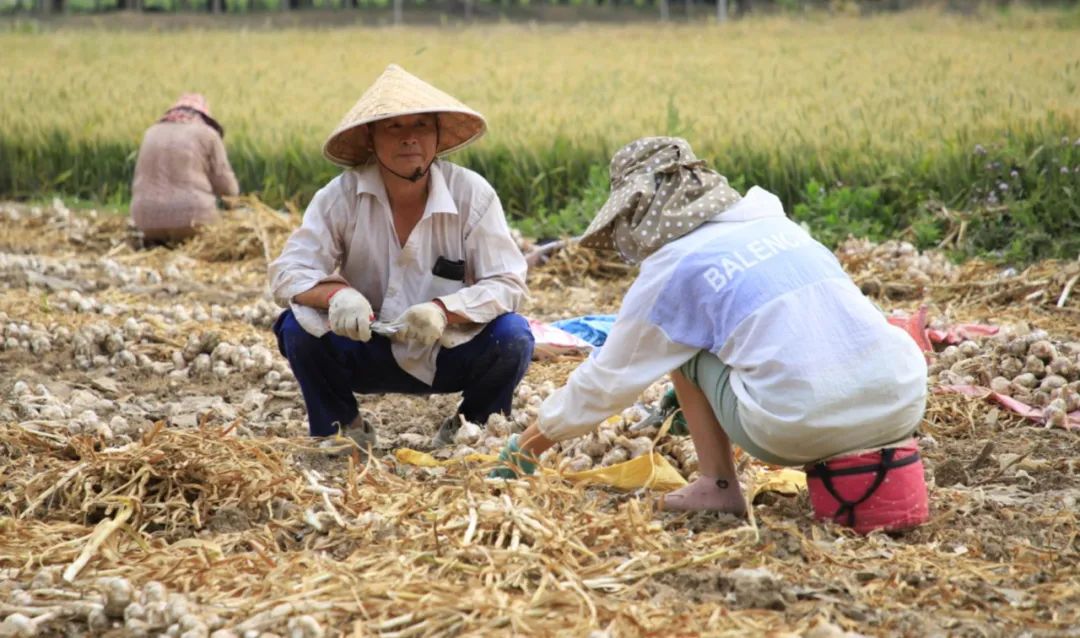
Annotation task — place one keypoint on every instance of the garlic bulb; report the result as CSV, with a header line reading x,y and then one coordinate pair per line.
x,y
468,434
222,352
594,445
637,446
1042,349
1035,366
614,456
498,425
634,414
1055,414
97,621
124,359
579,463
134,611
201,366
132,329
118,595
18,626
153,592
968,348
262,359
52,413
1052,382
1001,385
1026,380
305,627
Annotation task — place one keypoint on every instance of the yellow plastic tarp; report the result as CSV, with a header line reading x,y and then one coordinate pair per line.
x,y
786,481
652,471
648,470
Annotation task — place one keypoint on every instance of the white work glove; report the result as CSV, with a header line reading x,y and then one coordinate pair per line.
x,y
423,324
350,314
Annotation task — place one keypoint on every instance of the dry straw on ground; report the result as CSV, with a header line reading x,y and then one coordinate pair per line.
x,y
385,550
250,230
263,533
467,554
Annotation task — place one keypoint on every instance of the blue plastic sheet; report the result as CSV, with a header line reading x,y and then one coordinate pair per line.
x,y
591,328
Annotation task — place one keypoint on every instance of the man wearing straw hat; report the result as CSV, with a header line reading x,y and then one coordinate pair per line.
x,y
404,277
768,342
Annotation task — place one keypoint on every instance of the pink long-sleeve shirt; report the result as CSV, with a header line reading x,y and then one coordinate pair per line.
x,y
181,170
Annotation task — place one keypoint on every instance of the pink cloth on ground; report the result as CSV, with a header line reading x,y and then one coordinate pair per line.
x,y
899,502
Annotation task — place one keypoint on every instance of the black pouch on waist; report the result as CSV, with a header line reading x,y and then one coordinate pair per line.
x,y
448,269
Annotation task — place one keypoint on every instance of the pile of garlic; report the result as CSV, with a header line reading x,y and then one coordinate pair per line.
x,y
73,271
36,403
623,437
1033,368
74,301
109,605
609,444
260,313
47,606
206,355
33,337
124,275
84,272
901,260
53,267
155,611
82,412
101,344
58,214
617,440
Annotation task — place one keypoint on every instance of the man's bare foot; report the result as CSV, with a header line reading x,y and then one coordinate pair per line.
x,y
706,494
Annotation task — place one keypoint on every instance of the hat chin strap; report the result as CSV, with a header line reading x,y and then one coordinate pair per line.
x,y
418,174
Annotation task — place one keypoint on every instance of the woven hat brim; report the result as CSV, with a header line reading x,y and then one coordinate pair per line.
x,y
348,146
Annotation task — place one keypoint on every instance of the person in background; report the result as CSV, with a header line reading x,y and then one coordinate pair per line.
x,y
416,242
181,170
769,344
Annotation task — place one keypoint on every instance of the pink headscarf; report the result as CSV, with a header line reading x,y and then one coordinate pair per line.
x,y
190,107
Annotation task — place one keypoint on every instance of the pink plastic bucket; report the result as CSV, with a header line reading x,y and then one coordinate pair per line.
x,y
880,490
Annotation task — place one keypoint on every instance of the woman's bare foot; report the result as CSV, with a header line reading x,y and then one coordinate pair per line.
x,y
706,494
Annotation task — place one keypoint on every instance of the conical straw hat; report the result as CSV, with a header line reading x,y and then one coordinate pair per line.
x,y
397,92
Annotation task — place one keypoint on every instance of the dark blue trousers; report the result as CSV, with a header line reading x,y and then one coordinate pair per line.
x,y
330,369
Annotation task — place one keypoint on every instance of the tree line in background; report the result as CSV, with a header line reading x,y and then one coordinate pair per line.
x,y
722,9
664,9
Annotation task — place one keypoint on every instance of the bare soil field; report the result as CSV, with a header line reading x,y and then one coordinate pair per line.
x,y
156,477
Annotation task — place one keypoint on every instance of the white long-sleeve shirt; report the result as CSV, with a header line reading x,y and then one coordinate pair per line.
x,y
815,366
348,236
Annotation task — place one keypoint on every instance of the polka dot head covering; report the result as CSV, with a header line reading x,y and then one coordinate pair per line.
x,y
660,191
